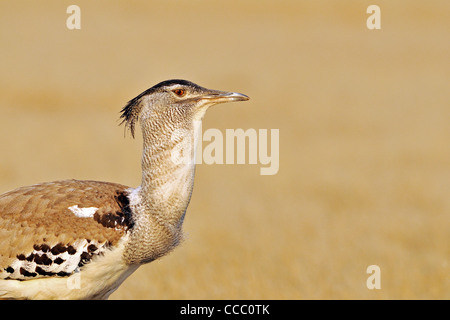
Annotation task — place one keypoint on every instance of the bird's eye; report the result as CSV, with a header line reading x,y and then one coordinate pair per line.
x,y
179,92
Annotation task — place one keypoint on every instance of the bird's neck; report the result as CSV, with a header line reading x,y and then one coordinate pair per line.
x,y
168,167
168,175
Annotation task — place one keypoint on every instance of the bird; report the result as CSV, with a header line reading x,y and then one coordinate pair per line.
x,y
80,239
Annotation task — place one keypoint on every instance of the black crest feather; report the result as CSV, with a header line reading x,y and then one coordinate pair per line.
x,y
130,113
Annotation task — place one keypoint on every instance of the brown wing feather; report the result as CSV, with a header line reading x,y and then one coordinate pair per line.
x,y
36,225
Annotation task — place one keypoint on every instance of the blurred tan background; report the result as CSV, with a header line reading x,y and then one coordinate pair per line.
x,y
363,115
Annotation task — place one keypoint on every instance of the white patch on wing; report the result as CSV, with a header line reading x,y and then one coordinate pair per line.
x,y
83,212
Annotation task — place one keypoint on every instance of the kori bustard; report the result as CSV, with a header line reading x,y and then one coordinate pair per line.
x,y
76,239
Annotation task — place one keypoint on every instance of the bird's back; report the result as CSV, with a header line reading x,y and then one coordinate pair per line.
x,y
53,230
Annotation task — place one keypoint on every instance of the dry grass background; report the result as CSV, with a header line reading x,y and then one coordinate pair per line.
x,y
364,136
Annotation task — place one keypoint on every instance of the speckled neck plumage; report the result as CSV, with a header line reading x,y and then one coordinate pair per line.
x,y
160,203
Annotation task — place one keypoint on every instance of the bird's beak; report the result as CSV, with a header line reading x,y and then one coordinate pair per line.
x,y
223,96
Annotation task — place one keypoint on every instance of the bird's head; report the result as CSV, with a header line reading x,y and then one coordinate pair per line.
x,y
174,103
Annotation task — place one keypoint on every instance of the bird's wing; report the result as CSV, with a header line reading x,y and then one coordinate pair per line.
x,y
53,229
